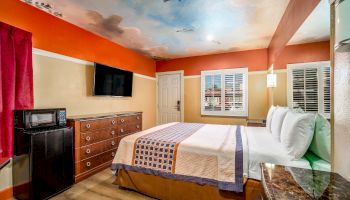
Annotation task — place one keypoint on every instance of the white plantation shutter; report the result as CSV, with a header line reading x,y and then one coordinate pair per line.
x,y
309,87
326,76
224,92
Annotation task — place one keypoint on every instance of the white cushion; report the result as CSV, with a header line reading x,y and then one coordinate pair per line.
x,y
297,132
269,118
276,122
321,142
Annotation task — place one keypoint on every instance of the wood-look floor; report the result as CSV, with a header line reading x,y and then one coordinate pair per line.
x,y
99,187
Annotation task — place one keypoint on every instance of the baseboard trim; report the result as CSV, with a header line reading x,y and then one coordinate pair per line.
x,y
6,193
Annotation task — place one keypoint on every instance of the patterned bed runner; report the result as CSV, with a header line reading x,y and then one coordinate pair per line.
x,y
155,154
157,150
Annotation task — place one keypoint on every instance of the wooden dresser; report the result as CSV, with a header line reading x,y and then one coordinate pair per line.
x,y
96,139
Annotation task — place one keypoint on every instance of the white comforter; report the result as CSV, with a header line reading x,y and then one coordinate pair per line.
x,y
208,153
263,148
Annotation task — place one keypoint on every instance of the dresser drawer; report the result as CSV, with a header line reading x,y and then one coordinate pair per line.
x,y
91,137
97,148
98,124
129,128
95,161
129,119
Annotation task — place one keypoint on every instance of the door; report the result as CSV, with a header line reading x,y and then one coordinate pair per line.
x,y
169,98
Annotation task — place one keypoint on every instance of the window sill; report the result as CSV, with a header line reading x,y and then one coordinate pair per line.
x,y
225,116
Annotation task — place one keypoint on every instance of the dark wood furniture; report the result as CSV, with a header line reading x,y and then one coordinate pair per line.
x,y
281,182
96,139
256,123
170,189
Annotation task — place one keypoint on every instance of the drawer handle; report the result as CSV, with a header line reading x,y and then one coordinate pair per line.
x,y
88,164
113,154
113,121
113,143
137,126
88,151
87,138
113,132
122,130
122,120
88,125
138,117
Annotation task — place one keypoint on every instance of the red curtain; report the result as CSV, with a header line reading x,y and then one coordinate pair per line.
x,y
16,81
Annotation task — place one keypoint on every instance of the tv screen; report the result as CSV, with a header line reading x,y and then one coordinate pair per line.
x,y
111,81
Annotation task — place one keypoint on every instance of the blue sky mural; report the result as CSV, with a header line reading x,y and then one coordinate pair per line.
x,y
166,29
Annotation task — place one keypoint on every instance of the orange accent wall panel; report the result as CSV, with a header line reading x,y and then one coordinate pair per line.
x,y
294,16
6,193
309,52
53,34
255,60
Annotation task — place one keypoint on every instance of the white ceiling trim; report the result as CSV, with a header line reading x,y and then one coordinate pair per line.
x,y
60,56
49,54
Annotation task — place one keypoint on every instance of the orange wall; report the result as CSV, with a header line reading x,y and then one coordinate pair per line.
x,y
55,35
255,60
310,52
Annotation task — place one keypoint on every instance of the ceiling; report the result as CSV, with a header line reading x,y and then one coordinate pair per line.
x,y
166,29
316,27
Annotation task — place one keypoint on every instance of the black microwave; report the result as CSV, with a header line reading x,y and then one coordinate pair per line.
x,y
40,118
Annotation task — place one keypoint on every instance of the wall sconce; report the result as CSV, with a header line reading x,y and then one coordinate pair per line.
x,y
342,26
271,80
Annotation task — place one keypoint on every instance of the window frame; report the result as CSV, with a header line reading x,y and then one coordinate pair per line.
x,y
222,72
320,77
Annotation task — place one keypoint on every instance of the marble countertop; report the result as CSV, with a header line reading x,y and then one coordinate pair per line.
x,y
281,182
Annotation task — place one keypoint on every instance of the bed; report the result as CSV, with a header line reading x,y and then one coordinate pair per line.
x,y
209,161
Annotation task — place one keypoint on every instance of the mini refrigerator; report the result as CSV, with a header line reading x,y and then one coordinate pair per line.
x,y
43,162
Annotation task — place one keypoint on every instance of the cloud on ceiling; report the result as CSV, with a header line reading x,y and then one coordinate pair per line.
x,y
131,37
177,28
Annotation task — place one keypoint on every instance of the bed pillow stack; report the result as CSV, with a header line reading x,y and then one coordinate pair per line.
x,y
269,117
297,132
277,121
321,142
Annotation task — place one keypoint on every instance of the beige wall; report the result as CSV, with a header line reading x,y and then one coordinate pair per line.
x,y
60,83
280,92
6,177
257,100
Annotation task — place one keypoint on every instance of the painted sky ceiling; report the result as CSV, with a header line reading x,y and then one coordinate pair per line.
x,y
165,29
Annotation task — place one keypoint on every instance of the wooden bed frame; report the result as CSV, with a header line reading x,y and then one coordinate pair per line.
x,y
169,189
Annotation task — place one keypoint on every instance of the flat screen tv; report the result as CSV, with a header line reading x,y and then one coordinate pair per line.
x,y
110,81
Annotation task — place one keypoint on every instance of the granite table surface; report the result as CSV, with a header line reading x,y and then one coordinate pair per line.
x,y
281,182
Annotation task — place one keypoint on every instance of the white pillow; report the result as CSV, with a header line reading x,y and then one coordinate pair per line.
x,y
297,132
276,122
269,118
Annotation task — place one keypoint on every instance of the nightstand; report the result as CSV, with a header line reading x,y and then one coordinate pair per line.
x,y
256,123
281,182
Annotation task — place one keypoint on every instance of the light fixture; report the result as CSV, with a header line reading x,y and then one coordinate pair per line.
x,y
210,37
342,26
271,80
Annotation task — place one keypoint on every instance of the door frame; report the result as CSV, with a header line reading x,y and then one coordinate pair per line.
x,y
182,96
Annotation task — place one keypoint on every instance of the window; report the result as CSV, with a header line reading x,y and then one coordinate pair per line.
x,y
224,92
309,87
